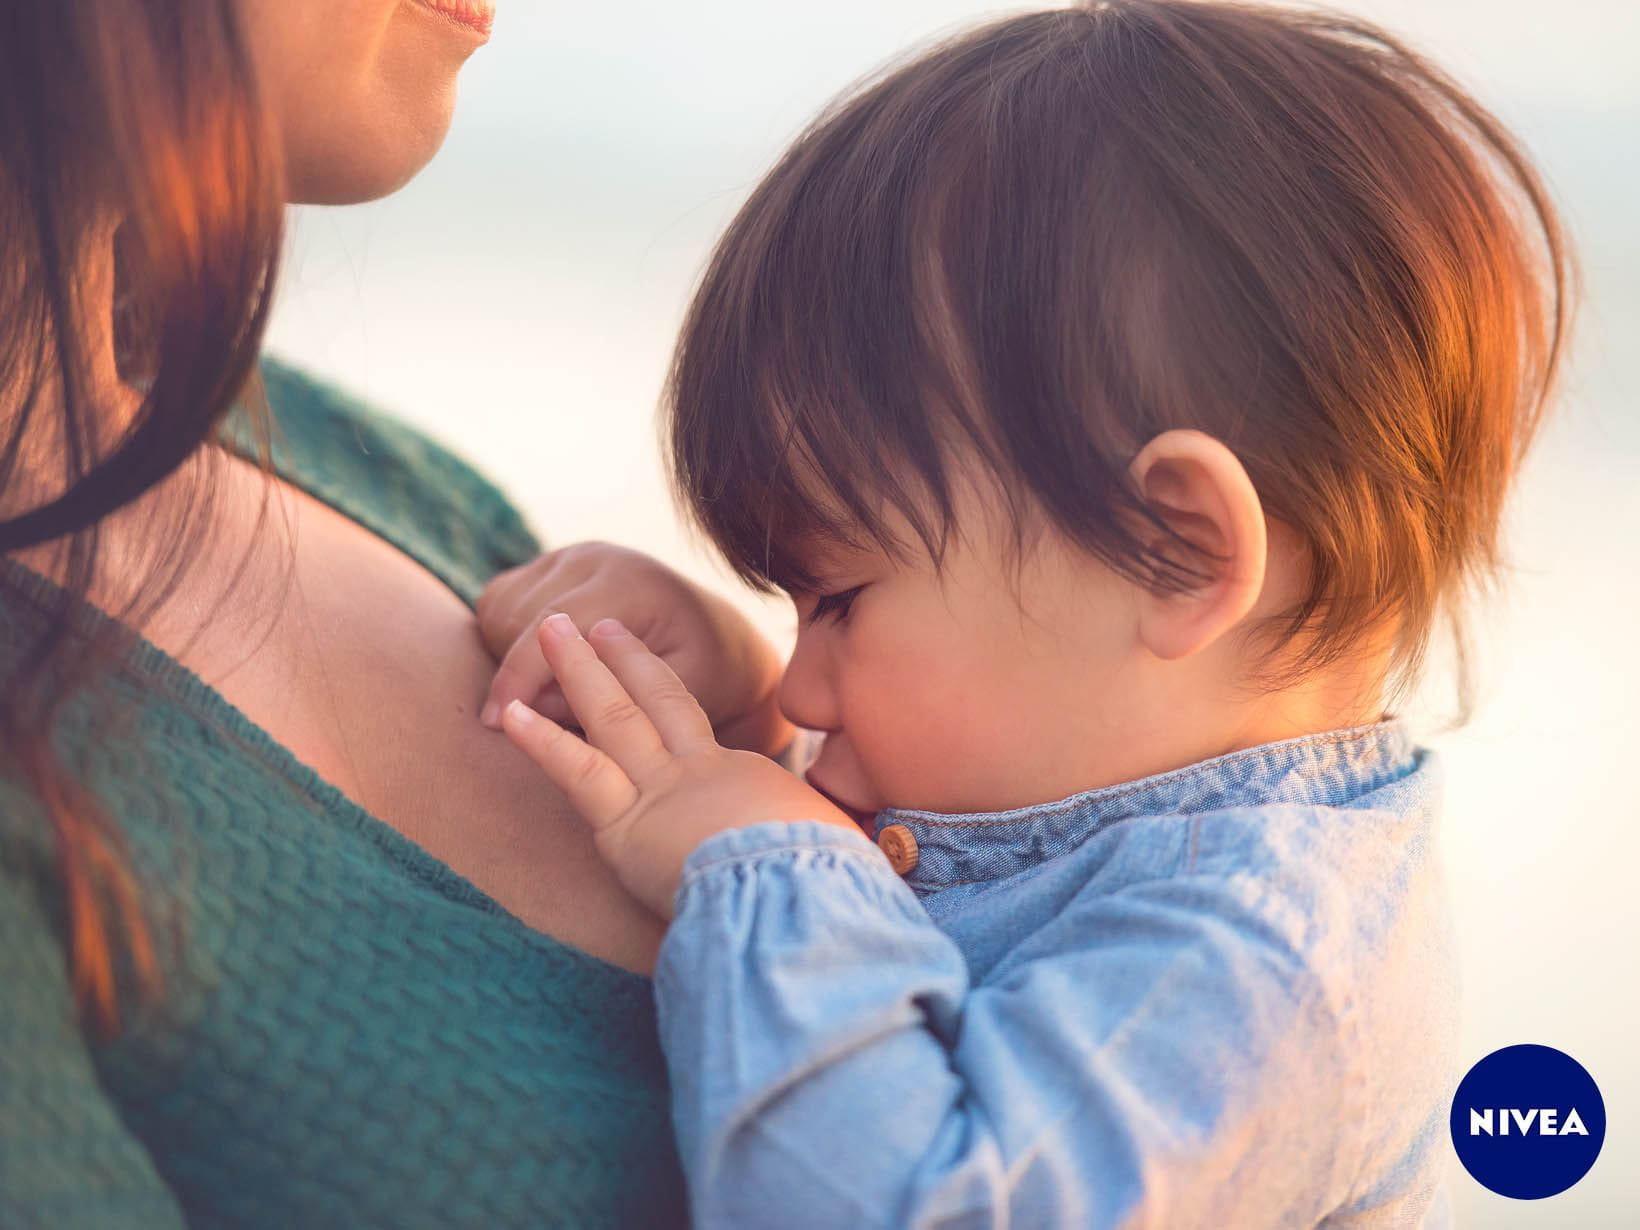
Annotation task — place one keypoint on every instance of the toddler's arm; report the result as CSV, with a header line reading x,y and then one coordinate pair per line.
x,y
1155,1056
1161,1059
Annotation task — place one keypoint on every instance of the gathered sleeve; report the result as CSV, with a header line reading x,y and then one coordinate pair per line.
x,y
1175,1063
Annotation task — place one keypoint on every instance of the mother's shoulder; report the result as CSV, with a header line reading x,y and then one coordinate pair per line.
x,y
389,475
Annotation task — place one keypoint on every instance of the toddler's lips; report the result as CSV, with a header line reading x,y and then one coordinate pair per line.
x,y
861,816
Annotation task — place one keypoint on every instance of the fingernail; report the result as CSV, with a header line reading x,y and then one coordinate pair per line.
x,y
562,626
491,716
609,627
520,712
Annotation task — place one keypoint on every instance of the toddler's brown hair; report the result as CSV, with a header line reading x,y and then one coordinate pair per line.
x,y
1044,242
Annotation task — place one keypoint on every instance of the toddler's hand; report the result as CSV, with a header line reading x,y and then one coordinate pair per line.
x,y
711,646
651,780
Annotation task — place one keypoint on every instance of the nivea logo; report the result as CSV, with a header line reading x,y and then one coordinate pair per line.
x,y
1538,1119
1528,1121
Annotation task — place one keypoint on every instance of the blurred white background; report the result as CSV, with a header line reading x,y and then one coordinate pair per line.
x,y
520,298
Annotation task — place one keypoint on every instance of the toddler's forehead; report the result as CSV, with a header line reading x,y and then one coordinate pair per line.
x,y
822,554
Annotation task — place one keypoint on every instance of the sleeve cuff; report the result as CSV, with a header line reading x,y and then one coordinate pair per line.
x,y
774,837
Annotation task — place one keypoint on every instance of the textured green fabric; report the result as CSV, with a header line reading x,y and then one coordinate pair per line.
x,y
350,1033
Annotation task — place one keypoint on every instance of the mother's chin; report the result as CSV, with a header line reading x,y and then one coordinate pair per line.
x,y
360,93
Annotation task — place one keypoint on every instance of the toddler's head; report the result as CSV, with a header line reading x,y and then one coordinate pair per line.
x,y
1115,387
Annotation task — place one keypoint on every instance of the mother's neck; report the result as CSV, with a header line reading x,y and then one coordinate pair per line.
x,y
212,502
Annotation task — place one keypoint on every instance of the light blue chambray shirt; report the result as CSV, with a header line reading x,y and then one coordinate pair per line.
x,y
1223,996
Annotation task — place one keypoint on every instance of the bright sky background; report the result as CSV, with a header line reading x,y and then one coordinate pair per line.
x,y
519,300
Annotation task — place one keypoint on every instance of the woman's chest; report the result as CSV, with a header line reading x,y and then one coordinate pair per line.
x,y
340,1042
370,671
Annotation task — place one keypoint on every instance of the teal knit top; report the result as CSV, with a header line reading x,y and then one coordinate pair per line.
x,y
349,1034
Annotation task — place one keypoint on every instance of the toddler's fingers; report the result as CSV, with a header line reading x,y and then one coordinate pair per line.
x,y
497,605
614,723
677,715
550,703
593,783
494,589
522,675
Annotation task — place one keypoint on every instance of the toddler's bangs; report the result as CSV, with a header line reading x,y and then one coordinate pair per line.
x,y
803,395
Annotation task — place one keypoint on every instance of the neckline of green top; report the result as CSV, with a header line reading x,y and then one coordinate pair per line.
x,y
185,686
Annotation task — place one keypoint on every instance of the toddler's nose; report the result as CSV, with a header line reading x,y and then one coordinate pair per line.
x,y
805,694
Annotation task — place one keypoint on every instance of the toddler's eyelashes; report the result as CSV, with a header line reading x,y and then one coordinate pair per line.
x,y
829,606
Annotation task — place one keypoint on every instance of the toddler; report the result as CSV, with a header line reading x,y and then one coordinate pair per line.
x,y
1123,394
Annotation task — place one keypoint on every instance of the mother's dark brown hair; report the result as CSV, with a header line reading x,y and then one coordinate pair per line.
x,y
1045,242
136,120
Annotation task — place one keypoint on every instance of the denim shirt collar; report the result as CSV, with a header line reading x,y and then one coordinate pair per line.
x,y
1327,769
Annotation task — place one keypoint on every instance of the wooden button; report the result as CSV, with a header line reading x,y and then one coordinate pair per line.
x,y
897,842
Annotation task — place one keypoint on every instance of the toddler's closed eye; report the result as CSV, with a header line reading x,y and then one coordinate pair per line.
x,y
834,606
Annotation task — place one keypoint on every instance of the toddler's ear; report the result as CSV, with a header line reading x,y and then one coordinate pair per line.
x,y
1198,487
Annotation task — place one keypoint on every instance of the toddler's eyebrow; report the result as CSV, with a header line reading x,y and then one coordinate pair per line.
x,y
828,557
824,569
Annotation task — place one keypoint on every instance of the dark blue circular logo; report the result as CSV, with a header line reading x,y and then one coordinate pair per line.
x,y
1528,1121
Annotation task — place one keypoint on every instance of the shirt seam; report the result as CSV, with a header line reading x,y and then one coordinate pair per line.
x,y
1082,799
937,884
871,857
1338,994
1354,1097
